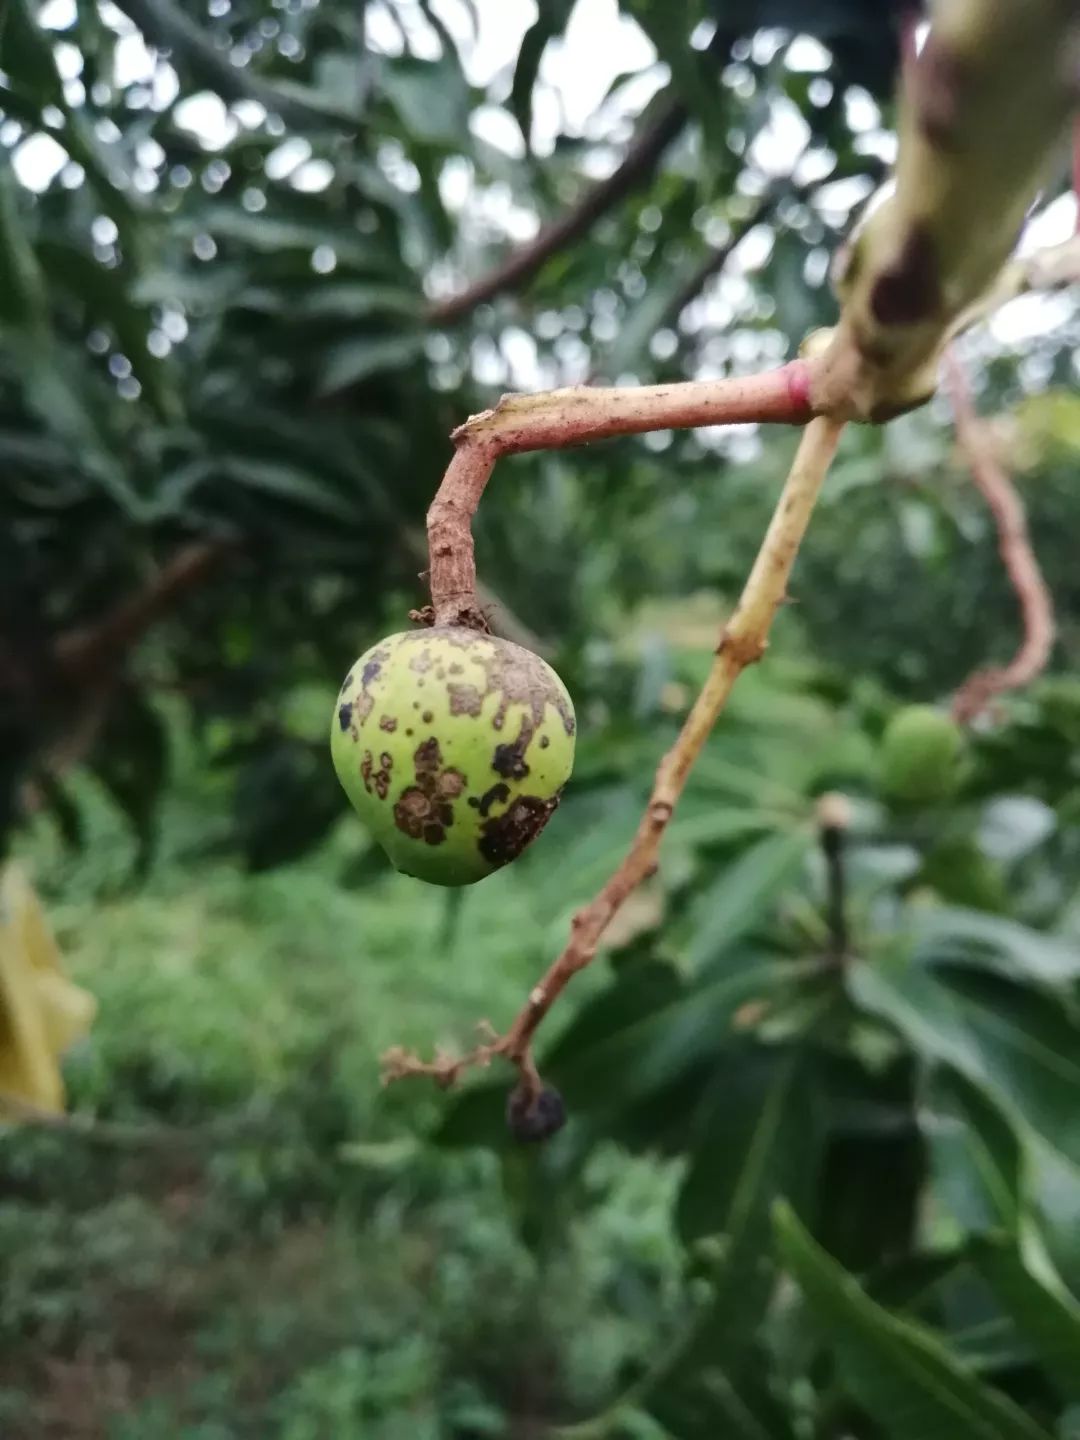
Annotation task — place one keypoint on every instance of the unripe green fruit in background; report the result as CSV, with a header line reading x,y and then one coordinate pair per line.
x,y
920,756
454,748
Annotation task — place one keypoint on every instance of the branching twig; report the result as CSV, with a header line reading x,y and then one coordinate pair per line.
x,y
742,643
561,418
82,652
522,264
1036,606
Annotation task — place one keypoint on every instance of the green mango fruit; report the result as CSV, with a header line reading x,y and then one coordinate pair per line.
x,y
920,756
454,748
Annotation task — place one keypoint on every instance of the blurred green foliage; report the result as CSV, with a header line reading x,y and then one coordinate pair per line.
x,y
808,1189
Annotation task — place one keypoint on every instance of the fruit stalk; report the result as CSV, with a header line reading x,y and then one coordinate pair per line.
x,y
558,419
742,643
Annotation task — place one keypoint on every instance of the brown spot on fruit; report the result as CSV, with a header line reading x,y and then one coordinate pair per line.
x,y
434,834
545,741
371,670
457,669
411,811
505,836
367,764
450,784
363,706
428,757
344,716
427,717
386,761
464,699
910,289
421,662
388,723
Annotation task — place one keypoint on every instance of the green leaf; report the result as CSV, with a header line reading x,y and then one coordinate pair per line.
x,y
165,25
25,55
22,285
744,894
654,1050
105,293
551,20
431,98
356,360
902,1374
1043,1310
976,1157
755,1140
1018,1045
994,943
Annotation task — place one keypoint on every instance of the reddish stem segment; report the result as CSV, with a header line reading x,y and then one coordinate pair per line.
x,y
1021,565
562,418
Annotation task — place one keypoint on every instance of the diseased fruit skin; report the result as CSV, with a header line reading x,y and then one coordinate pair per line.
x,y
532,1118
454,748
920,756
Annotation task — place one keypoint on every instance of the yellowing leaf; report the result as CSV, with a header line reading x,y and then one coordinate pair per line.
x,y
42,1012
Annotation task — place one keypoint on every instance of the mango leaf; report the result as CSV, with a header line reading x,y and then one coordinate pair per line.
x,y
25,55
22,285
354,361
656,1049
995,943
755,1140
1016,1044
976,1158
166,25
431,98
550,21
1041,1307
744,894
902,1374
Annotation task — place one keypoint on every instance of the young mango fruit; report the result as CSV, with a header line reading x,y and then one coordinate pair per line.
x,y
454,748
921,756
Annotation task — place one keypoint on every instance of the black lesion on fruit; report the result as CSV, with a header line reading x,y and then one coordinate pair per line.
x,y
505,836
545,741
344,716
388,723
372,670
910,289
497,795
509,760
346,682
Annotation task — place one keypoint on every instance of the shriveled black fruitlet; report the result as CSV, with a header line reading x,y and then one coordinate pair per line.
x,y
534,1117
